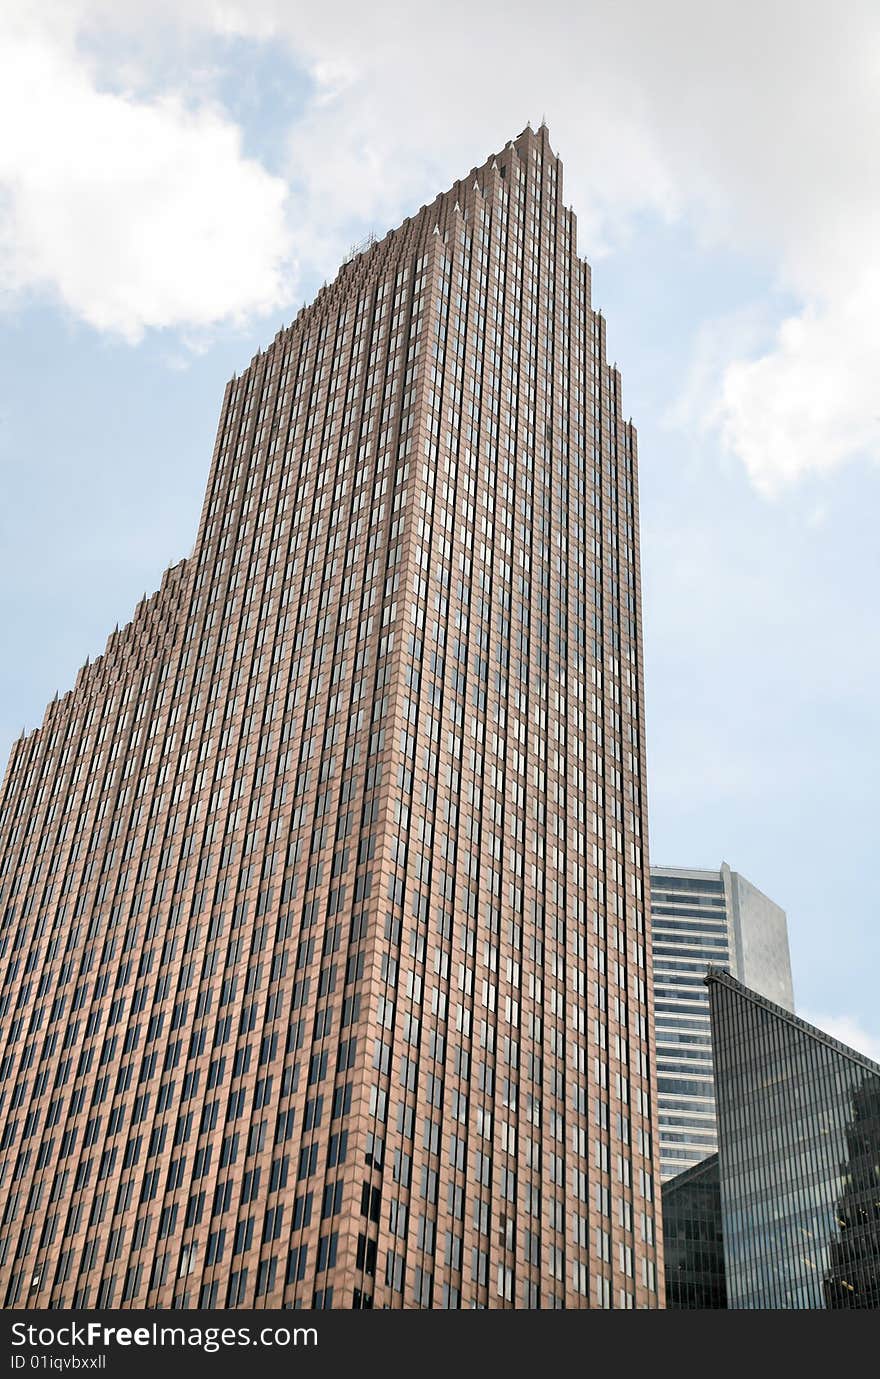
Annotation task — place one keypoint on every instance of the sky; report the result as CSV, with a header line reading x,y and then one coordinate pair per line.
x,y
177,179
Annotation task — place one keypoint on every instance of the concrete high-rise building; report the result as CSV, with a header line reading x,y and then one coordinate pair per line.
x,y
702,919
326,972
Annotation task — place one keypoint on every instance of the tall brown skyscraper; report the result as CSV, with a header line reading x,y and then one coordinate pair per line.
x,y
325,972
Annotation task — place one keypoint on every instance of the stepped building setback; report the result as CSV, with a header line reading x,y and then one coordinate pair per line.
x,y
325,971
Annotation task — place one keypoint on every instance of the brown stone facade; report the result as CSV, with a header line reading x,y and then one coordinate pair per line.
x,y
324,958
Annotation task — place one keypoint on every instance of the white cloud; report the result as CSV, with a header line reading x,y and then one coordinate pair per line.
x,y
811,403
848,1031
758,125
135,213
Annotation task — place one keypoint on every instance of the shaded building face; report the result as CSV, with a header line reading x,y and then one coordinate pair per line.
x,y
325,977
799,1137
693,1242
852,1278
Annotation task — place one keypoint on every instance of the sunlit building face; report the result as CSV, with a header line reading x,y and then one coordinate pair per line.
x,y
325,956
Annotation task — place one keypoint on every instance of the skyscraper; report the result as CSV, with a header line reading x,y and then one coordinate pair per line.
x,y
702,919
794,1191
326,976
799,1134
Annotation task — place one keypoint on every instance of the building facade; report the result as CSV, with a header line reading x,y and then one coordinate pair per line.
x,y
325,971
693,1241
799,1158
702,919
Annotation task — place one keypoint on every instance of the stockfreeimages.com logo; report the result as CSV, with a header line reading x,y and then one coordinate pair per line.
x,y
95,1335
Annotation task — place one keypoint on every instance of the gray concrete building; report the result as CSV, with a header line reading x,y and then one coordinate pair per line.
x,y
702,919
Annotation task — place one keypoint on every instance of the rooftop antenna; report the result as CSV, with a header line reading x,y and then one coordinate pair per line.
x,y
361,247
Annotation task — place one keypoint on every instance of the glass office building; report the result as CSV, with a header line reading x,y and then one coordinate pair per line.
x,y
799,1157
702,919
693,1241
